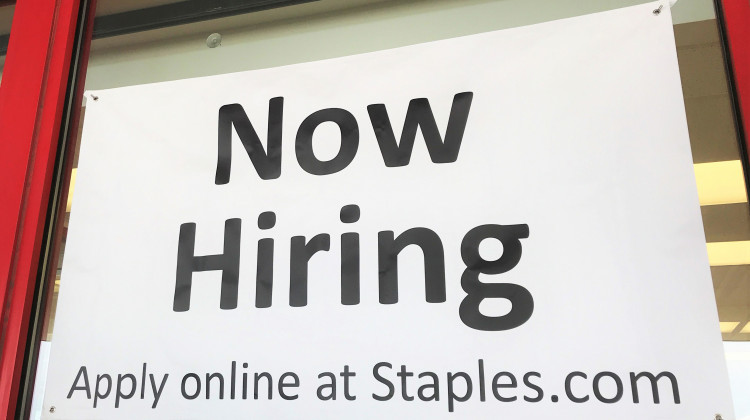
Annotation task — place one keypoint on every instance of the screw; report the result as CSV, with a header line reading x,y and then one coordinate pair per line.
x,y
213,40
658,11
718,417
52,409
94,97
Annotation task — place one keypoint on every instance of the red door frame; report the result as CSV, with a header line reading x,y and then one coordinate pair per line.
x,y
33,97
734,16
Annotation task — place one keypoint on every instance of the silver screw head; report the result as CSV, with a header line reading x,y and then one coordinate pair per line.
x,y
213,40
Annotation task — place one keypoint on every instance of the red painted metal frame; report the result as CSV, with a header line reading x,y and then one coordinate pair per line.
x,y
736,16
32,99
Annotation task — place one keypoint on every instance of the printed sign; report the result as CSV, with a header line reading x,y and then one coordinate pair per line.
x,y
502,225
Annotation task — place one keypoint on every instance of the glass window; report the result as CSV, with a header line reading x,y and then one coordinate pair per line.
x,y
6,17
333,28
719,173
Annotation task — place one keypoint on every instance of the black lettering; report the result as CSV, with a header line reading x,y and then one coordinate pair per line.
x,y
476,291
269,384
452,395
496,386
654,385
481,381
232,378
384,381
283,384
244,382
82,373
264,274
331,386
434,263
434,386
527,382
98,395
220,377
350,258
300,255
419,114
618,384
183,390
267,164
266,220
569,390
160,389
143,382
346,374
228,263
404,374
349,141
118,392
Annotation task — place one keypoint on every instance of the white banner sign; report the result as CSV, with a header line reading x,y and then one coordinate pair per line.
x,y
503,225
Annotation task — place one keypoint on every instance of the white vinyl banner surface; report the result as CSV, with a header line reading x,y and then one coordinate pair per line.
x,y
502,225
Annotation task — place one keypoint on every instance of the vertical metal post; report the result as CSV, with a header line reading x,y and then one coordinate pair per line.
x,y
734,25
34,95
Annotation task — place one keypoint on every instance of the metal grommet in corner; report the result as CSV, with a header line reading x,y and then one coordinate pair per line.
x,y
718,417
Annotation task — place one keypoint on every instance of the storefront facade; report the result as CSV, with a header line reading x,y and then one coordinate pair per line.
x,y
49,62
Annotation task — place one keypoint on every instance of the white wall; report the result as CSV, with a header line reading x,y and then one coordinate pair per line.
x,y
324,29
738,363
